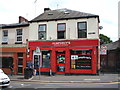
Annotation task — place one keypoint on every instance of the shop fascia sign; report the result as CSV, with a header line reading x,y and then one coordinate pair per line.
x,y
61,43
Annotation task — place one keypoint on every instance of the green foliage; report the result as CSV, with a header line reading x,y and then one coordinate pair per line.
x,y
104,39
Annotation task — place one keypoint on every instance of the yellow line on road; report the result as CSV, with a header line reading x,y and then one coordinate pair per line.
x,y
70,82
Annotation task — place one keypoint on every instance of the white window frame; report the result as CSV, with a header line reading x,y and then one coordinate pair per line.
x,y
4,38
19,35
42,31
63,30
82,29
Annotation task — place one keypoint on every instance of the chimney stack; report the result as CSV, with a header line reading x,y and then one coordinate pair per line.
x,y
46,9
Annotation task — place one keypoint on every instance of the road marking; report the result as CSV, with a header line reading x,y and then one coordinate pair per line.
x,y
108,83
91,79
73,82
10,86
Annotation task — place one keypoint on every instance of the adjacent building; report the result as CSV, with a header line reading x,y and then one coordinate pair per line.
x,y
110,57
64,41
13,46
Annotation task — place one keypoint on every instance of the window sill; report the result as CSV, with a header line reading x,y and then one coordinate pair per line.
x,y
4,42
18,42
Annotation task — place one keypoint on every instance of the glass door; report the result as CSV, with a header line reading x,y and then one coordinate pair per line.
x,y
20,63
36,61
60,57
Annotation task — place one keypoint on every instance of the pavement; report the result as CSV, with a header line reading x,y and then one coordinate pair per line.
x,y
101,78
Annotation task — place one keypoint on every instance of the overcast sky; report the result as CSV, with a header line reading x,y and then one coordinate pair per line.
x,y
10,10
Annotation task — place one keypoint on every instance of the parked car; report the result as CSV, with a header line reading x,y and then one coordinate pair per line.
x,y
4,79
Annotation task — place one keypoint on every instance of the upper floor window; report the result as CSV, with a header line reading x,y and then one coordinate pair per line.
x,y
19,33
5,37
82,29
42,32
61,28
5,33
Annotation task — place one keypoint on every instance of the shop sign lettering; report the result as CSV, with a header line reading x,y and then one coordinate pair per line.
x,y
61,43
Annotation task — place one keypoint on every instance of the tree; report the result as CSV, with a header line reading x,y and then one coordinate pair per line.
x,y
104,39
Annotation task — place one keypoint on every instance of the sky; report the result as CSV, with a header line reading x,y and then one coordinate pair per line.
x,y
107,10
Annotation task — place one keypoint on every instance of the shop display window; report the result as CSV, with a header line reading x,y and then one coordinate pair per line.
x,y
45,58
6,61
81,59
60,61
60,57
61,68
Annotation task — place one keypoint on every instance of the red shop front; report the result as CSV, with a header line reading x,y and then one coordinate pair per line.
x,y
65,56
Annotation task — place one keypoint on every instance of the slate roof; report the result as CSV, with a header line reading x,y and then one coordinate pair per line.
x,y
23,24
62,14
113,45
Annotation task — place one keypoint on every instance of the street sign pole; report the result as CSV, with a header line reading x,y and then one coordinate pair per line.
x,y
39,65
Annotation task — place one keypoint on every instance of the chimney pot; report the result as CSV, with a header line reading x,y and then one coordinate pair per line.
x,y
46,9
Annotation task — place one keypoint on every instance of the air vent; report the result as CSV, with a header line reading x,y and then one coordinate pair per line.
x,y
66,12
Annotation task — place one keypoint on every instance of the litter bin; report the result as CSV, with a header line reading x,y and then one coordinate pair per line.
x,y
28,72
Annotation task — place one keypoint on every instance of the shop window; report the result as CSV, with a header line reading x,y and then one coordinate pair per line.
x,y
82,30
61,68
60,57
61,28
60,61
6,62
42,32
81,59
45,58
5,37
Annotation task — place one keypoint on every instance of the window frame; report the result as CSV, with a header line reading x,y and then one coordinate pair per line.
x,y
44,59
64,31
4,33
82,30
45,32
6,61
83,56
4,37
19,36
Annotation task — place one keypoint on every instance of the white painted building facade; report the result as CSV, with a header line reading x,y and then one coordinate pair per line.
x,y
71,29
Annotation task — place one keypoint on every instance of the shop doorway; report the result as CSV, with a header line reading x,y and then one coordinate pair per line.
x,y
20,63
60,58
36,61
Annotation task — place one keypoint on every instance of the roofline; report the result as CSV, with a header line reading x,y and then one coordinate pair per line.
x,y
14,26
95,16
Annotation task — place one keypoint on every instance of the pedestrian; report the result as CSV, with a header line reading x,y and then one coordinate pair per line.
x,y
11,69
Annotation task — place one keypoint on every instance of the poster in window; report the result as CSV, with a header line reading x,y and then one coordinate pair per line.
x,y
74,57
